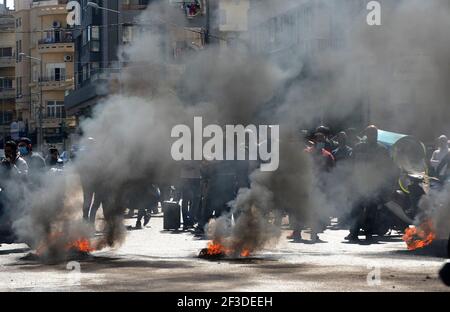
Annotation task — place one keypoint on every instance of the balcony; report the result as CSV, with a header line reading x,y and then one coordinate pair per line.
x,y
57,42
56,83
50,7
7,61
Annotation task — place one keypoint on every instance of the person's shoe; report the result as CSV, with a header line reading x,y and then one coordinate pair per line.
x,y
199,230
315,238
138,225
352,238
146,220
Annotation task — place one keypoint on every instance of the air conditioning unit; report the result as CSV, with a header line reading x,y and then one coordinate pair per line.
x,y
68,58
56,24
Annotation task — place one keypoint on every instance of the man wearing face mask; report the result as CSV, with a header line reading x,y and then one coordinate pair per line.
x,y
13,165
36,163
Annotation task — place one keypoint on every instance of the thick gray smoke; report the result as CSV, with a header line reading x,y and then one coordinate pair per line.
x,y
397,72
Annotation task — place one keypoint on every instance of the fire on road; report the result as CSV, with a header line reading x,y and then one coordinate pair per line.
x,y
155,260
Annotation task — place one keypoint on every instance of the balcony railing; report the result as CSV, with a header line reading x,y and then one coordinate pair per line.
x,y
56,78
38,3
58,37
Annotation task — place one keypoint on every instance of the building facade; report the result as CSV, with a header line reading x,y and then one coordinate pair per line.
x,y
7,73
44,69
104,32
97,43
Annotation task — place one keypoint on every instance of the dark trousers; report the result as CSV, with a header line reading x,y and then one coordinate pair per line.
x,y
190,195
364,217
146,206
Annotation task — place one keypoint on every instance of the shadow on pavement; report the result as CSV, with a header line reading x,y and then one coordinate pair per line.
x,y
14,251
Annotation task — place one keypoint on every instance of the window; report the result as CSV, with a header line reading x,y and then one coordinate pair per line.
x,y
6,84
6,117
55,109
94,38
6,52
95,33
56,72
127,34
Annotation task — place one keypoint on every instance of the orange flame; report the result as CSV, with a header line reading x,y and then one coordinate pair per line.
x,y
419,237
82,245
215,248
245,253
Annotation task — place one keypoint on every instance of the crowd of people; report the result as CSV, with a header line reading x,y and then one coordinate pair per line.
x,y
20,160
205,189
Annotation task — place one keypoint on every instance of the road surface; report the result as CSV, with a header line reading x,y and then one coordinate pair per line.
x,y
155,260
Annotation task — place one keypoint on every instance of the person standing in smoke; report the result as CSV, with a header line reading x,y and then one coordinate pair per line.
x,y
53,160
323,162
219,189
439,160
328,144
343,151
13,180
14,165
375,171
141,196
93,193
190,193
36,163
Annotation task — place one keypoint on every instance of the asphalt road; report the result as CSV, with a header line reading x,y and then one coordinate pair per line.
x,y
154,260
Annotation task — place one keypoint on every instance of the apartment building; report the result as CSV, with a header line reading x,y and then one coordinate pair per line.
x,y
7,74
44,69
